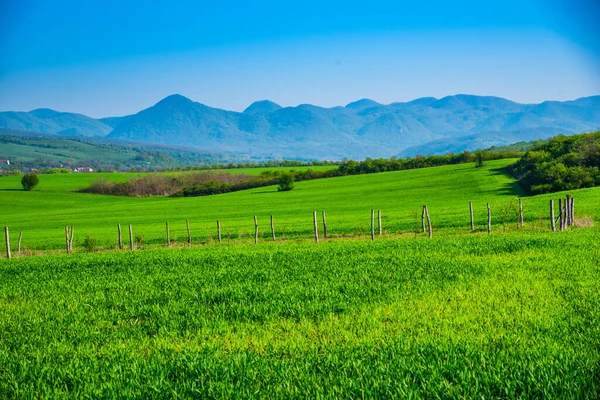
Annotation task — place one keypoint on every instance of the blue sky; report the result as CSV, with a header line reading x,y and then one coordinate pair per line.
x,y
117,57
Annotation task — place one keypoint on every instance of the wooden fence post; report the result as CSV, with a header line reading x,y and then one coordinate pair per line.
x,y
572,211
219,230
489,219
6,237
423,218
471,215
568,210
187,225
520,213
429,227
560,215
120,237
168,235
130,238
69,233
372,224
552,221
324,224
255,230
71,240
379,222
272,229
19,245
316,227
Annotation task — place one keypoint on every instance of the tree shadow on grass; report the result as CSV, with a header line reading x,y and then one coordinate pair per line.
x,y
264,191
508,189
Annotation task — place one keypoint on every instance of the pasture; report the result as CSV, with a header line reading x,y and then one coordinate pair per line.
x,y
42,214
514,314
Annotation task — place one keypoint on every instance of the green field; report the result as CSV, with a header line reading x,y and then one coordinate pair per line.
x,y
515,314
76,181
347,202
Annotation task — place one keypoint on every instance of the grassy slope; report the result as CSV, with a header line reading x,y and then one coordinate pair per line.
x,y
67,150
347,201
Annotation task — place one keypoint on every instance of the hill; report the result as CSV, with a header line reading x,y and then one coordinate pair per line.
x,y
36,150
361,129
49,121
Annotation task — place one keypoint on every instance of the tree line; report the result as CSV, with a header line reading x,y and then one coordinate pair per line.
x,y
561,163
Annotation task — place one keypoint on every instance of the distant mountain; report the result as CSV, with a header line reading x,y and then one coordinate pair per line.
x,y
262,107
363,103
49,121
113,122
482,140
363,128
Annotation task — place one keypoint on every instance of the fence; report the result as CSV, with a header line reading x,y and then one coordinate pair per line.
x,y
565,219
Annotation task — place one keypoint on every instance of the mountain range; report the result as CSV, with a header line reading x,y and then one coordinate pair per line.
x,y
361,129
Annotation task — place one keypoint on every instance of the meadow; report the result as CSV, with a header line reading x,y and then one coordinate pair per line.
x,y
514,314
43,213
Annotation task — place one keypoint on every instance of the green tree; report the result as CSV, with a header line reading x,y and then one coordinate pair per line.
x,y
479,157
29,181
286,182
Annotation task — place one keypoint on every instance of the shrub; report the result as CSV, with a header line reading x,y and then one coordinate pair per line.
x,y
139,240
89,243
286,182
29,181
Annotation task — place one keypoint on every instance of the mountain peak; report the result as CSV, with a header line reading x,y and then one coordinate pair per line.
x,y
175,100
362,104
262,107
44,113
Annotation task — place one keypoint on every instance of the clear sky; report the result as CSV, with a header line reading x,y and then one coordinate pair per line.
x,y
105,58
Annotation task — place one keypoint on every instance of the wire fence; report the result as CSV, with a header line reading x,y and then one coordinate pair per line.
x,y
319,226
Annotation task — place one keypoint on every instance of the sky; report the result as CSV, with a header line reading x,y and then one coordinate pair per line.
x,y
114,58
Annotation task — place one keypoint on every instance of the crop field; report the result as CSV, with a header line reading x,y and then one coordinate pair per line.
x,y
514,314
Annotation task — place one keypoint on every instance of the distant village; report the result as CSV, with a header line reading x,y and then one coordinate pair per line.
x,y
6,163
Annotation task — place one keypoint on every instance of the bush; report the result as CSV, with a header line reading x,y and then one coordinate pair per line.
x,y
89,243
286,182
29,181
139,240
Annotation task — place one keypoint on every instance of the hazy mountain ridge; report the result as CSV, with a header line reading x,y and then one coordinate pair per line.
x,y
49,121
363,128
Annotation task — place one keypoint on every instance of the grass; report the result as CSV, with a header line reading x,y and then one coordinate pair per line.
x,y
515,314
505,316
346,200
